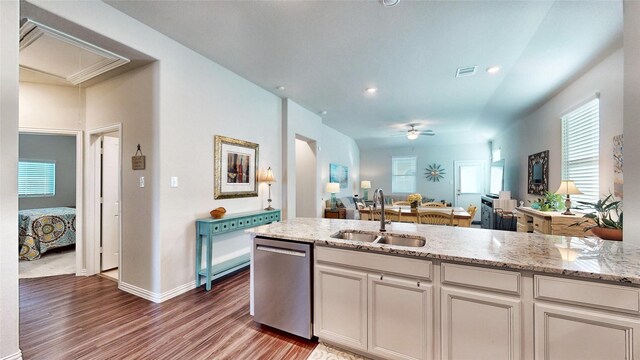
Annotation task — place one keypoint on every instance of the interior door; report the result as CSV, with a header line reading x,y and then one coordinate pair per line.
x,y
469,183
110,234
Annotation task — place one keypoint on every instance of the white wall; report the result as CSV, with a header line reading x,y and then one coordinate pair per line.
x,y
541,130
130,99
376,166
306,202
9,180
333,147
632,121
51,107
62,150
195,100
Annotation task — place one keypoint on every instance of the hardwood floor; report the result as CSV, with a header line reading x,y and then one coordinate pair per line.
x,y
69,317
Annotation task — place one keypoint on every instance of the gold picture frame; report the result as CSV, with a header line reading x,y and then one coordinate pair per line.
x,y
235,168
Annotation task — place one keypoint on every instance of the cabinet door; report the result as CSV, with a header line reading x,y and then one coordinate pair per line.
x,y
566,333
341,306
477,325
400,317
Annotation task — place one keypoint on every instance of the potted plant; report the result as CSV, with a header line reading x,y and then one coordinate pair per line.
x,y
606,219
415,200
550,202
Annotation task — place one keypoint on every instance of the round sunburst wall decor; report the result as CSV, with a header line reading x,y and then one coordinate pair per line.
x,y
434,172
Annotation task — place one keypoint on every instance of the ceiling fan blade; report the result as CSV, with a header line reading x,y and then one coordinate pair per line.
x,y
427,133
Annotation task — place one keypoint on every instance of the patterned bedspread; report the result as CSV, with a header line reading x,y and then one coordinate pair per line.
x,y
44,229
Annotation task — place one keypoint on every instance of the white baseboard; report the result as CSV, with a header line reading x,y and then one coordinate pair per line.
x,y
16,356
156,297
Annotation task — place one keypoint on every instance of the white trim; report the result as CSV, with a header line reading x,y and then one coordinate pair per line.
x,y
16,356
93,201
81,270
156,297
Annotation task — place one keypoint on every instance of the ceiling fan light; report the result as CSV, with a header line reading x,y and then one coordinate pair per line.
x,y
412,134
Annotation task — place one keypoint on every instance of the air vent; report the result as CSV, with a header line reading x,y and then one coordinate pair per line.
x,y
73,60
466,71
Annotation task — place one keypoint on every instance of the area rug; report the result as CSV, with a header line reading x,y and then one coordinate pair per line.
x,y
53,263
326,352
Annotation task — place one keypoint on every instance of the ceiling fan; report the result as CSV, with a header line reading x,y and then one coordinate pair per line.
x,y
413,133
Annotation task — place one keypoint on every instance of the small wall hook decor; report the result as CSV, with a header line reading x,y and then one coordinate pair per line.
x,y
138,161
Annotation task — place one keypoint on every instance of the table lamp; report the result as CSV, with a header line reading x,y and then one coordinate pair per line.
x,y
568,187
365,185
269,179
333,188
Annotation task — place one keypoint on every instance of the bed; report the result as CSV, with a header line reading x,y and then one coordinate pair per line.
x,y
41,230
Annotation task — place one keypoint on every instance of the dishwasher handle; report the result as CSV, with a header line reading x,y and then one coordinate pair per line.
x,y
281,251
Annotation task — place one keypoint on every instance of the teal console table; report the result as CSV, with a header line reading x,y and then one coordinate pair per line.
x,y
206,228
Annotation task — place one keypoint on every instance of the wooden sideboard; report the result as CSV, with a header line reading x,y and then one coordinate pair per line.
x,y
549,222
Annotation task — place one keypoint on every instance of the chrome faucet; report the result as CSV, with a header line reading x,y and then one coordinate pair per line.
x,y
378,196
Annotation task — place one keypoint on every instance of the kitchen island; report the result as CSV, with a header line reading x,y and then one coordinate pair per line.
x,y
470,293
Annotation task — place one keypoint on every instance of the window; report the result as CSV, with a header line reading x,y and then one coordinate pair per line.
x,y
403,175
581,149
36,178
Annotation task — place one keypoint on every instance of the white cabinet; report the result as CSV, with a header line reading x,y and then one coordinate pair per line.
x,y
376,304
341,306
567,333
477,325
400,317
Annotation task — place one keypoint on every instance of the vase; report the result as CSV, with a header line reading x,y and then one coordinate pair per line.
x,y
414,205
607,233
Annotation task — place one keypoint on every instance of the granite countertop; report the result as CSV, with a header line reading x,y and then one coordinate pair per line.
x,y
582,257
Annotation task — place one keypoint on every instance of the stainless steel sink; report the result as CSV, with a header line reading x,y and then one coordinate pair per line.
x,y
356,236
412,241
377,238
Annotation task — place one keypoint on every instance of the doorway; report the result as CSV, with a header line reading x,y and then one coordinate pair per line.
x,y
469,183
105,182
306,169
50,202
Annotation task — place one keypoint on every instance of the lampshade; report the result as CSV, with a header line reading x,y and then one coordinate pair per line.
x,y
333,187
365,184
568,187
412,134
268,176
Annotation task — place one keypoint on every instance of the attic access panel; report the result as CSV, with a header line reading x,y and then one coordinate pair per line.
x,y
48,51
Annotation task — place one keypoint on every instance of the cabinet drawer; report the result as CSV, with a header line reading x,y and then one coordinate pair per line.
x,y
375,262
541,226
481,278
586,293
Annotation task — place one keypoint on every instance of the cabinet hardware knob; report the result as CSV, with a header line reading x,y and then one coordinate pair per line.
x,y
381,276
418,283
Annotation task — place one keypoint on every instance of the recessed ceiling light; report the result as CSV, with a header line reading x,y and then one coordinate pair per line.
x,y
493,69
370,90
389,3
280,87
323,112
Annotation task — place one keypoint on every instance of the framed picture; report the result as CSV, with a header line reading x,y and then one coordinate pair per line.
x,y
538,179
235,165
339,174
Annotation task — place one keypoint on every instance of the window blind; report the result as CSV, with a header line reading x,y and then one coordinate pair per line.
x,y
403,174
36,178
581,150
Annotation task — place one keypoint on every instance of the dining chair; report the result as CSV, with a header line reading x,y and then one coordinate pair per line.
x,y
472,209
432,204
435,217
389,214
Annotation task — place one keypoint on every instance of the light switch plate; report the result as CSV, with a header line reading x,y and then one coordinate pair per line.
x,y
174,181
141,181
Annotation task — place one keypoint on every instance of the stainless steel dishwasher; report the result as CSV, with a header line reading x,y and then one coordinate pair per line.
x,y
282,285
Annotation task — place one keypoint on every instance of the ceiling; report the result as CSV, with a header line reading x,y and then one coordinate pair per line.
x,y
325,53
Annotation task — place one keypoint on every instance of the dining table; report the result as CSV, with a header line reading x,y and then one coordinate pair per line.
x,y
460,216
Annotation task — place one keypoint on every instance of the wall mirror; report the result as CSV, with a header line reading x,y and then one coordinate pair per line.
x,y
539,173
